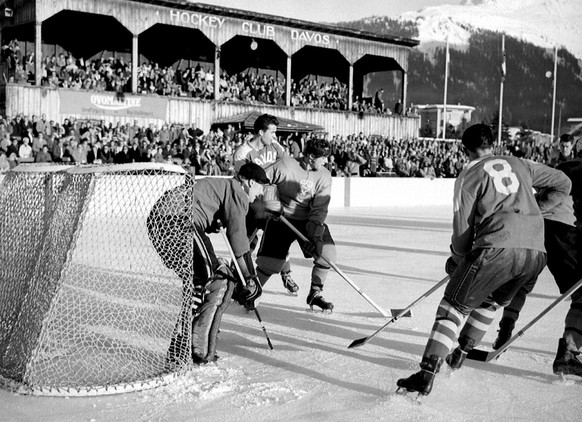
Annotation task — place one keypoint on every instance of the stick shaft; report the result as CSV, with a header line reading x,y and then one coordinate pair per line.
x,y
337,270
242,278
493,355
362,341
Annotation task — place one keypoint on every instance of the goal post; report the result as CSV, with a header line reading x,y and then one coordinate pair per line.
x,y
87,306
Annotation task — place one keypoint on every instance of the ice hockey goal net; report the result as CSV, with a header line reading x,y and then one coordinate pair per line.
x,y
86,305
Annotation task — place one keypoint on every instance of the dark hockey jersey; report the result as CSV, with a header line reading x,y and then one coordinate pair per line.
x,y
204,202
494,204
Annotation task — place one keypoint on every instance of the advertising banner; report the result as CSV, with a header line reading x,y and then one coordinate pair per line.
x,y
112,104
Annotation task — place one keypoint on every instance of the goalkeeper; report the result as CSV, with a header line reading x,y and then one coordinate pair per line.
x,y
177,227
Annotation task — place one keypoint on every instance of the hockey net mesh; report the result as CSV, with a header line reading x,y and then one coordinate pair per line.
x,y
86,304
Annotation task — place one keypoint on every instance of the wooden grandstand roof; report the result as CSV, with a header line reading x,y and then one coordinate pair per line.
x,y
279,20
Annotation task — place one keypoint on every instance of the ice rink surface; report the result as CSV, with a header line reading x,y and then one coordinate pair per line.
x,y
394,255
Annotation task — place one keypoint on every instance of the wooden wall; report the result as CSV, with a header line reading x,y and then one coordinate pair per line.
x,y
31,100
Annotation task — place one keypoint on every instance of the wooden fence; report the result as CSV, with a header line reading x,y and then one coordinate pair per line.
x,y
31,100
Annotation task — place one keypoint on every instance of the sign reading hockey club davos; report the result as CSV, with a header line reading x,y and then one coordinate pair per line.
x,y
112,104
199,20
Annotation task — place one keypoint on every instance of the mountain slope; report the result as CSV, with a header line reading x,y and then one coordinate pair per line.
x,y
533,27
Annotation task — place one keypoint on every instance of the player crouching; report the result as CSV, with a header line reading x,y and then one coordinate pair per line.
x,y
177,227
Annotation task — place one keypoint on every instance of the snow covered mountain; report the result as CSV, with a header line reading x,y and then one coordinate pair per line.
x,y
544,23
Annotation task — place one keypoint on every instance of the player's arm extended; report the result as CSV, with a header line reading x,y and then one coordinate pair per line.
x,y
555,185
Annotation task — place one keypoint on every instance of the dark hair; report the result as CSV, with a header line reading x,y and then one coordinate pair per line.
x,y
319,147
263,122
566,137
478,136
252,171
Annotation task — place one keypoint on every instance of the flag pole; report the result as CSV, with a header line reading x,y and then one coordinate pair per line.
x,y
447,60
554,94
501,93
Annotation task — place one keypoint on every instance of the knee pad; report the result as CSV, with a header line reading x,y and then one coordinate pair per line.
x,y
446,311
207,322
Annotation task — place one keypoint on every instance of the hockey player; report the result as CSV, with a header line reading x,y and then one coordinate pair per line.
x,y
304,188
497,247
263,149
177,227
564,246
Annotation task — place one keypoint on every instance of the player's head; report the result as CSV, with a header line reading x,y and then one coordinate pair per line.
x,y
478,136
316,152
266,128
566,144
253,178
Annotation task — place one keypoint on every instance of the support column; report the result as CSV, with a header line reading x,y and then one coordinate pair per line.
x,y
37,53
134,63
404,91
351,87
288,83
217,73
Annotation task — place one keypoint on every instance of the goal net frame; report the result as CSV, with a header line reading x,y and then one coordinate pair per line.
x,y
87,306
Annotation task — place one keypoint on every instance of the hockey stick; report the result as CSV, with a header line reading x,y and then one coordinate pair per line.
x,y
361,341
242,278
484,356
335,267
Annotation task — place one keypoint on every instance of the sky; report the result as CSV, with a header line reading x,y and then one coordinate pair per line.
x,y
329,10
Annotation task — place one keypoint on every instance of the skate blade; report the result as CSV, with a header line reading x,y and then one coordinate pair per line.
x,y
292,293
320,311
402,391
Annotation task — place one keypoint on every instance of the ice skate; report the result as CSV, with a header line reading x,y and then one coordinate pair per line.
x,y
567,362
315,299
506,327
202,361
289,284
421,382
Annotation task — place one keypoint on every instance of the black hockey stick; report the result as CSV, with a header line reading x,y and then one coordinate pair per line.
x,y
335,267
242,278
484,356
361,341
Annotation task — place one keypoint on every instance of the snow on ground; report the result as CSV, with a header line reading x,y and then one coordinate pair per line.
x,y
394,255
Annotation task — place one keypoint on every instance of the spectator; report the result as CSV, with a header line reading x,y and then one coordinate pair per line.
x,y
25,151
43,156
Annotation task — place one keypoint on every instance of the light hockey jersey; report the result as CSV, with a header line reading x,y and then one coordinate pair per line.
x,y
268,154
494,205
304,194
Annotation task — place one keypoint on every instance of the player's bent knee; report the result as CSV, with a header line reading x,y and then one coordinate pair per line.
x,y
269,266
447,311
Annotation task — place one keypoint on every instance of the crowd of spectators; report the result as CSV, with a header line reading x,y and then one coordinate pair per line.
x,y
25,140
114,74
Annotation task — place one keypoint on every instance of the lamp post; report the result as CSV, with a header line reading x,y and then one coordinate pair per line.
x,y
554,94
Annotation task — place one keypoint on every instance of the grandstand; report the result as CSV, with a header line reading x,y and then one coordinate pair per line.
x,y
129,38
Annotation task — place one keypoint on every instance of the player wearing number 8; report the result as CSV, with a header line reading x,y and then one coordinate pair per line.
x,y
497,247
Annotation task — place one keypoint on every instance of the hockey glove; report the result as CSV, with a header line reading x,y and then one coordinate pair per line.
x,y
253,292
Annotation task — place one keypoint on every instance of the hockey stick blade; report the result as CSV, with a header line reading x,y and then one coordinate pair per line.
x,y
478,355
361,341
482,356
